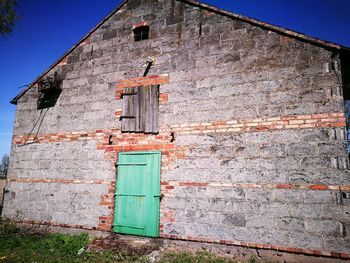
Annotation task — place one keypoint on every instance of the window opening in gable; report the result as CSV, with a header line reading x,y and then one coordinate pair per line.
x,y
140,109
50,90
141,33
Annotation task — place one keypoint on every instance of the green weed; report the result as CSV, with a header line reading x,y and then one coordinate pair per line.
x,y
19,244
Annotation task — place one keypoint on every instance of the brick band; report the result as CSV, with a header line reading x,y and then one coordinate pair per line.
x,y
61,137
314,187
171,185
262,124
57,181
46,223
296,250
141,81
233,126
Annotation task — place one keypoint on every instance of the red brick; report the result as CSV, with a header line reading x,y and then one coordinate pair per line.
x,y
318,187
259,245
180,155
287,118
344,255
244,244
266,246
109,148
164,98
64,60
317,252
118,113
335,254
292,249
169,147
262,128
339,124
284,186
142,23
143,81
282,248
192,184
319,116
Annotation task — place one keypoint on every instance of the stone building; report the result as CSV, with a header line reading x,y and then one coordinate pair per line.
x,y
178,120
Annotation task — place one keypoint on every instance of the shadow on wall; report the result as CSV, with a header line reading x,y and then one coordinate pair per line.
x,y
345,79
36,126
2,190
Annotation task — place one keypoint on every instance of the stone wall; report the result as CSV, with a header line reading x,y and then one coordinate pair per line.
x,y
252,133
261,198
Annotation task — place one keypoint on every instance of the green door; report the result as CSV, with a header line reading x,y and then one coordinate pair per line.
x,y
137,196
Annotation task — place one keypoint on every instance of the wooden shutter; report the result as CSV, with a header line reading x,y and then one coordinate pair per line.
x,y
148,109
141,109
130,105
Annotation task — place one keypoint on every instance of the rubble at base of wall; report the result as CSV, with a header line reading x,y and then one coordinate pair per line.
x,y
245,253
158,247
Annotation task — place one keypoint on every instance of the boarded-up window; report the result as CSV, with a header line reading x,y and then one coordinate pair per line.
x,y
140,109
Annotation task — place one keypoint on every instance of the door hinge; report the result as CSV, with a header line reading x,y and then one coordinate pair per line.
x,y
143,164
126,117
128,94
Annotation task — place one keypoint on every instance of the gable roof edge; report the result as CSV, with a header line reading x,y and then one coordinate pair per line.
x,y
272,27
15,99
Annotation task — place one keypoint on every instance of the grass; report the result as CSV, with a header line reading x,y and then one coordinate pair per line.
x,y
18,244
29,245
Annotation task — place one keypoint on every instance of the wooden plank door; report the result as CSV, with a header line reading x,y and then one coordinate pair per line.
x,y
138,194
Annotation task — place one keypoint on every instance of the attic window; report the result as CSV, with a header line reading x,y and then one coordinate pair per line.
x,y
141,33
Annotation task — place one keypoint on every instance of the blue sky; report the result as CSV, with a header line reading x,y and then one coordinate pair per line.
x,y
47,29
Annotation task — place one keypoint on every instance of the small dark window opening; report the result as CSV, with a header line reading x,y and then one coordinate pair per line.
x,y
50,90
141,33
345,195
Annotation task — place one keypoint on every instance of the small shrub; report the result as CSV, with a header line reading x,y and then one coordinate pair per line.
x,y
252,259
